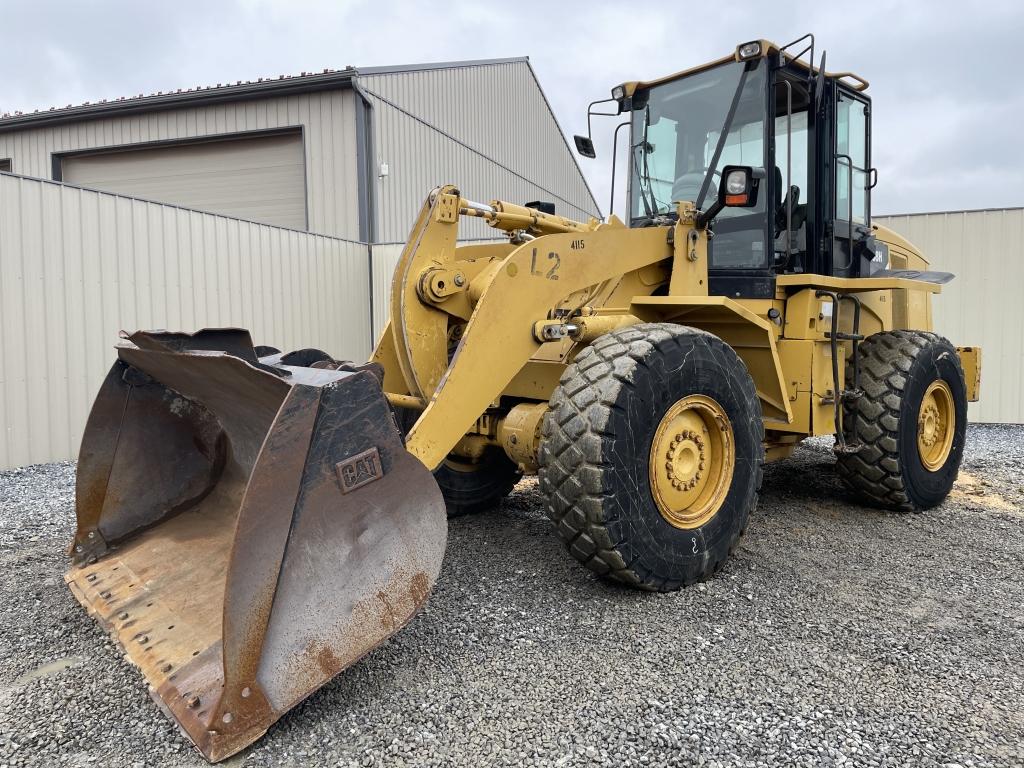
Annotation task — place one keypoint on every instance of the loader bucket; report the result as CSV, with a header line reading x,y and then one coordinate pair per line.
x,y
247,528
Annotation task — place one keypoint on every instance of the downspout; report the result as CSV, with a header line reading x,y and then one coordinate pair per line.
x,y
366,190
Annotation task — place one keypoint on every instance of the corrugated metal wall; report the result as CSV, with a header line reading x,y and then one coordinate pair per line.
x,y
498,113
983,305
327,120
77,266
485,126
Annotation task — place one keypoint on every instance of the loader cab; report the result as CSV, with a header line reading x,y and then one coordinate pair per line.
x,y
810,134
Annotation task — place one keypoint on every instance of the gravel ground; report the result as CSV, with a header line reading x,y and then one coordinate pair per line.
x,y
836,635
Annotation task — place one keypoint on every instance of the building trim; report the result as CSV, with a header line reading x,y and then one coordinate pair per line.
x,y
185,208
389,70
207,138
944,213
285,85
365,161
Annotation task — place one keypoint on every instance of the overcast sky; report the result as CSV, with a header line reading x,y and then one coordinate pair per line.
x,y
945,77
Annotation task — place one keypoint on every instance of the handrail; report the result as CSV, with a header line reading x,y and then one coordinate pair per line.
x,y
615,150
809,47
861,83
849,205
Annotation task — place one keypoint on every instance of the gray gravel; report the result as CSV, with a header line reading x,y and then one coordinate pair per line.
x,y
836,635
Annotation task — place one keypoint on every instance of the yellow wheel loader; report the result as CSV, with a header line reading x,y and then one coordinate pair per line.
x,y
250,522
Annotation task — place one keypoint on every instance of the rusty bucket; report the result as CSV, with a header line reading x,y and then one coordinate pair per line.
x,y
247,528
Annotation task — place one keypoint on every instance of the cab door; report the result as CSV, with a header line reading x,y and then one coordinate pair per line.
x,y
849,227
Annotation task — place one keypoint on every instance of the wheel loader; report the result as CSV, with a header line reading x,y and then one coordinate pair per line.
x,y
252,522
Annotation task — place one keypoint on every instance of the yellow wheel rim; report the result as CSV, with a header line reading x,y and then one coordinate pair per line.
x,y
692,461
936,423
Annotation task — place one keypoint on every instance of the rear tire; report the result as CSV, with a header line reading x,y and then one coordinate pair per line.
x,y
477,487
910,458
468,487
612,418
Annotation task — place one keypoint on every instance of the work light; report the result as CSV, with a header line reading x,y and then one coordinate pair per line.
x,y
749,50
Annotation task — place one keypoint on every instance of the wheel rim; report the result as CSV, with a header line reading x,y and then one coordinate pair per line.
x,y
936,423
692,461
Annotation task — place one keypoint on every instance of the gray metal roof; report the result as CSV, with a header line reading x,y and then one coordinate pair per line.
x,y
328,79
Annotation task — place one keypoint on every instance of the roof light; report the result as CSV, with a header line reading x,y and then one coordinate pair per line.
x,y
749,50
619,92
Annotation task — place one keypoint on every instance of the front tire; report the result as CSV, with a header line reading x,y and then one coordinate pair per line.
x,y
911,421
652,455
469,488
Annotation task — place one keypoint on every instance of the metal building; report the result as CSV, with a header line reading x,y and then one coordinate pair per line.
x,y
348,153
278,205
985,250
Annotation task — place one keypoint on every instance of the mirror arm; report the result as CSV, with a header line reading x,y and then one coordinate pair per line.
x,y
592,113
615,149
704,218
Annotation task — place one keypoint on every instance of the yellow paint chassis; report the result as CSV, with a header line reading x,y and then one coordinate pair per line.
x,y
479,335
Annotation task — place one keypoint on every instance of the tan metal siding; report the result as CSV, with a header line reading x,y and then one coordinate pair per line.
x,y
498,110
327,120
261,179
982,306
77,266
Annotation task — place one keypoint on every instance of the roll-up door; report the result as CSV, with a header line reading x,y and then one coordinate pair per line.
x,y
257,178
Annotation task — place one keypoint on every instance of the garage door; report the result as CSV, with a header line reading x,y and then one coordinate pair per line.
x,y
260,178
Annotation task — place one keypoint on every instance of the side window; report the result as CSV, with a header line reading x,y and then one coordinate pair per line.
x,y
797,167
5,165
851,170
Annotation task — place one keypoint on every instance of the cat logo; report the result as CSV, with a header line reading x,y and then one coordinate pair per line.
x,y
356,471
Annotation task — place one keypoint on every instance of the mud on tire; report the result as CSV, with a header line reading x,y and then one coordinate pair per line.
x,y
896,368
595,454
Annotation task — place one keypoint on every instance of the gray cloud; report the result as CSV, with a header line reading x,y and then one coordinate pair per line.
x,y
948,106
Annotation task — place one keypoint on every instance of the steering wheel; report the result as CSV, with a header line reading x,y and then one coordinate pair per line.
x,y
694,185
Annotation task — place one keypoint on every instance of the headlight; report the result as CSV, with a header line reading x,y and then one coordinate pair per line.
x,y
736,183
749,50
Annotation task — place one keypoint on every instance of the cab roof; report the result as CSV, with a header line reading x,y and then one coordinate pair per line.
x,y
766,48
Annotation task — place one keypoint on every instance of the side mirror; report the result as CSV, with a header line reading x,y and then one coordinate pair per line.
x,y
739,185
585,146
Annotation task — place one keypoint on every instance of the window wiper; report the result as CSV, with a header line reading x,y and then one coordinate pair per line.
x,y
726,126
640,181
650,206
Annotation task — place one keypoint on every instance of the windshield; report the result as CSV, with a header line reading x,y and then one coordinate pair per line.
x,y
678,133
